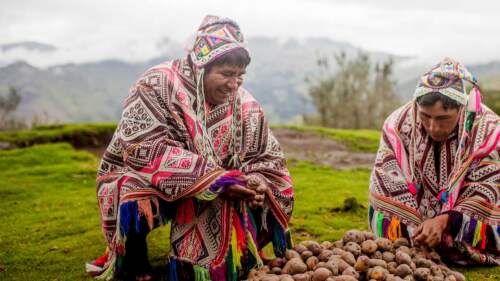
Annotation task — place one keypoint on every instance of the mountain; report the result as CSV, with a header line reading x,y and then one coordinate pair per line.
x,y
94,91
28,45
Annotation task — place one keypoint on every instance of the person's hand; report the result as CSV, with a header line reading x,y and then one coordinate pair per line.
x,y
260,187
430,231
239,192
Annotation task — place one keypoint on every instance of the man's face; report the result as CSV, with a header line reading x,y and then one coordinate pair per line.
x,y
438,122
221,82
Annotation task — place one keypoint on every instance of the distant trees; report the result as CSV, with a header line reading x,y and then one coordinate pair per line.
x,y
8,105
359,94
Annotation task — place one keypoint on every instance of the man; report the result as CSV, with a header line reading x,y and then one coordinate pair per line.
x,y
436,174
193,147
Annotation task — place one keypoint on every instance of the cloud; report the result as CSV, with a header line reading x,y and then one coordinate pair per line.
x,y
128,29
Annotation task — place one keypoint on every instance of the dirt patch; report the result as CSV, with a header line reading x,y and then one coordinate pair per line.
x,y
321,150
305,146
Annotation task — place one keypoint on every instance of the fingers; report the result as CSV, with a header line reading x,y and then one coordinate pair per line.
x,y
240,191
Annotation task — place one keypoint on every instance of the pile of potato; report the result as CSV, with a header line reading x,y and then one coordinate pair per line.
x,y
357,256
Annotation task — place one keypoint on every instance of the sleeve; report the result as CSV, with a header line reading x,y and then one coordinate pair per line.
x,y
474,218
154,147
393,208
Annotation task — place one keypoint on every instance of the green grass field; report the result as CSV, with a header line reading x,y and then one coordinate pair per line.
x,y
50,220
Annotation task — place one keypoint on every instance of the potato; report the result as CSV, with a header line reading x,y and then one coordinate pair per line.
x,y
337,263
423,262
301,277
314,247
304,255
333,267
409,278
319,264
378,273
344,278
401,242
277,262
458,276
450,278
362,263
321,274
338,244
377,255
311,262
290,254
299,248
286,277
351,271
388,256
325,255
403,270
276,270
404,249
369,247
384,244
391,267
377,262
294,266
422,274
326,245
349,258
337,251
403,258
353,236
269,277
435,257
353,247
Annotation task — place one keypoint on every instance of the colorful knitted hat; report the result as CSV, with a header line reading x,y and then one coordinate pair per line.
x,y
215,37
447,78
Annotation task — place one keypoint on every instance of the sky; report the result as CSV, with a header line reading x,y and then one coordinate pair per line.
x,y
91,30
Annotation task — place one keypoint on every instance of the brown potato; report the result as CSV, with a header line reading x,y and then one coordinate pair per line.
x,y
388,256
315,248
306,254
378,273
277,262
423,262
369,247
391,267
403,270
327,245
345,278
301,277
377,255
321,274
299,248
404,249
338,244
276,270
349,258
422,274
353,236
351,271
403,258
337,251
458,276
311,262
401,242
325,255
269,277
377,262
353,247
290,254
362,264
384,244
286,277
294,266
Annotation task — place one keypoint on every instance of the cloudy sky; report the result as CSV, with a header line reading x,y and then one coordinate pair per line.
x,y
89,30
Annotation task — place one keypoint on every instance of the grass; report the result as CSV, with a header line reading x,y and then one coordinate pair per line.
x,y
50,219
355,140
95,134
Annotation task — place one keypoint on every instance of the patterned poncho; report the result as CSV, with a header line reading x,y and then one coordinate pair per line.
x,y
416,178
166,162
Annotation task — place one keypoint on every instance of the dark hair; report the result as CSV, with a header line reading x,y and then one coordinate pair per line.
x,y
431,98
238,57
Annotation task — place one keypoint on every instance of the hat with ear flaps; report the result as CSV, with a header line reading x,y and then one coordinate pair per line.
x,y
449,78
215,37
